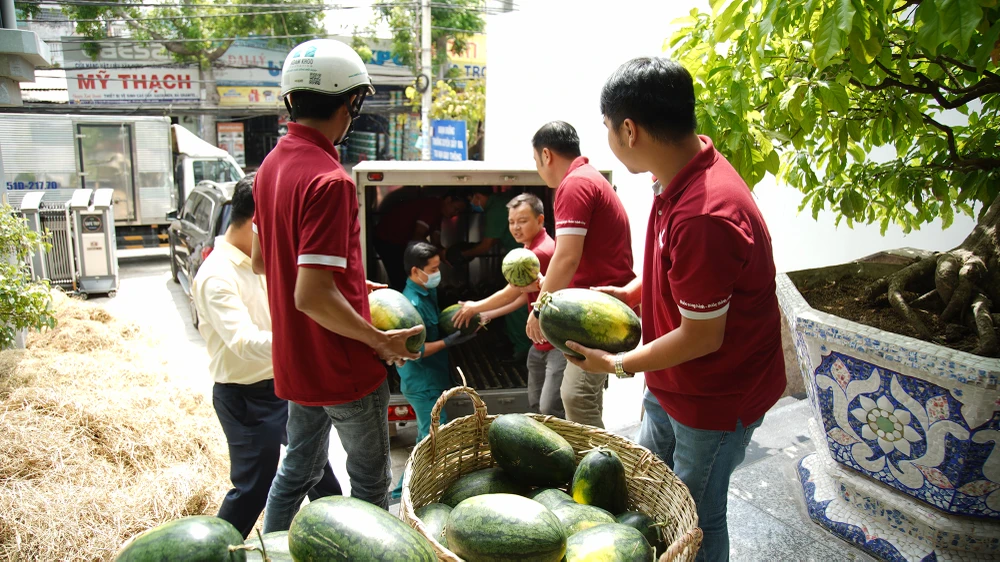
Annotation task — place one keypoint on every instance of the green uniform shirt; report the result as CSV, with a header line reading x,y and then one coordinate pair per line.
x,y
496,222
429,373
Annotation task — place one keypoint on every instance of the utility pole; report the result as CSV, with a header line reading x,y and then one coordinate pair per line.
x,y
426,68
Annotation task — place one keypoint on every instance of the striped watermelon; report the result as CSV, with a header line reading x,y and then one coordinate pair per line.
x,y
576,517
486,481
505,527
521,267
447,324
600,480
338,528
645,525
550,497
531,452
435,517
611,542
275,543
590,318
393,311
201,538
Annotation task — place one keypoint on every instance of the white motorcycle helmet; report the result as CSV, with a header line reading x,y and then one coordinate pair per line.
x,y
326,66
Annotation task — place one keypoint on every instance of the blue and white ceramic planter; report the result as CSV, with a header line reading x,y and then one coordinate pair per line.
x,y
921,420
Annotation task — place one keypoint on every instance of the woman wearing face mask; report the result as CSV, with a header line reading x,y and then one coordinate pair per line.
x,y
423,380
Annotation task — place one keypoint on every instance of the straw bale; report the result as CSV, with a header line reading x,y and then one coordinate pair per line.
x,y
98,441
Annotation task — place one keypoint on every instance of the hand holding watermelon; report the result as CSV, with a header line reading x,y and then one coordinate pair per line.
x,y
594,360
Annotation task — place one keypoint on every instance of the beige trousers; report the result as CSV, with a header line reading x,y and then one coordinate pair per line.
x,y
583,395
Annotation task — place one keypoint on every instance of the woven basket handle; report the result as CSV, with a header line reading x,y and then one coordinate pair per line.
x,y
691,538
477,403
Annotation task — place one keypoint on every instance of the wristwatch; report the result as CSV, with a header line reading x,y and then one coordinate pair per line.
x,y
620,371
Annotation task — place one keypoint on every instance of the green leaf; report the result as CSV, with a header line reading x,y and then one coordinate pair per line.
x,y
990,38
930,33
831,35
772,163
723,23
959,20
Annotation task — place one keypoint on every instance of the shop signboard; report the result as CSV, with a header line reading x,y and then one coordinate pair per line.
x,y
448,140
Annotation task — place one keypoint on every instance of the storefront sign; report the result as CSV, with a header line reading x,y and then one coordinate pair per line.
x,y
132,85
231,140
471,63
249,96
246,64
448,140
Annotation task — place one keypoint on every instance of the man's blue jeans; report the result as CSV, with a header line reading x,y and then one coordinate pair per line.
x,y
704,460
363,428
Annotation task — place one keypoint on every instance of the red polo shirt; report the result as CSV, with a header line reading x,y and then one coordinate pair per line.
x,y
708,253
543,246
307,216
587,205
398,224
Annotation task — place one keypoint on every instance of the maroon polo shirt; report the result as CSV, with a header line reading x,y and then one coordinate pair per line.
x,y
307,216
708,253
586,205
543,246
398,225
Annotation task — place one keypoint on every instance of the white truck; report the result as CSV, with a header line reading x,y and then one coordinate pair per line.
x,y
150,164
501,382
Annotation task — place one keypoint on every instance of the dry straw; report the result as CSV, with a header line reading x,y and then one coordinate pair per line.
x,y
461,447
97,442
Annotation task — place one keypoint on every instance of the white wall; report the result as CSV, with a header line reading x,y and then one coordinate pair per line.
x,y
549,60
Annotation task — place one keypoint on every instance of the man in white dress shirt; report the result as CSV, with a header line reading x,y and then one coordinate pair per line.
x,y
236,324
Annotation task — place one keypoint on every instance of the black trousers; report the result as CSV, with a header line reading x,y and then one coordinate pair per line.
x,y
392,259
254,420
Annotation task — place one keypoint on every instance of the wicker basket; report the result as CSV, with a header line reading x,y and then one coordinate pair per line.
x,y
461,447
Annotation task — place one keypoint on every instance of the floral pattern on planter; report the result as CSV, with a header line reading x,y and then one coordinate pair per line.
x,y
908,433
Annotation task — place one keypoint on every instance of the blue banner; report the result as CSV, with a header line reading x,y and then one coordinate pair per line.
x,y
448,141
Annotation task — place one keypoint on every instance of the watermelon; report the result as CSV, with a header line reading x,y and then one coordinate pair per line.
x,y
392,311
531,452
576,517
645,525
275,543
199,538
520,267
486,481
447,325
435,516
590,318
550,497
499,527
344,528
600,480
611,542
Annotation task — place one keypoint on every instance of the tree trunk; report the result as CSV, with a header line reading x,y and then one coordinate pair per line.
x,y
966,283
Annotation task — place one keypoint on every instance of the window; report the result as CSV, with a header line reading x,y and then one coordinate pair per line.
x,y
227,215
203,214
218,171
189,207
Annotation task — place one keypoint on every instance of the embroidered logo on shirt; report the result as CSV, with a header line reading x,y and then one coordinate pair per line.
x,y
663,238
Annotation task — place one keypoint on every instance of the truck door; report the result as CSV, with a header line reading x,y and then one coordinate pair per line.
x,y
106,161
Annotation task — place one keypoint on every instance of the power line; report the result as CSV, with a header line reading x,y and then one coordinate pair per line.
x,y
288,7
221,39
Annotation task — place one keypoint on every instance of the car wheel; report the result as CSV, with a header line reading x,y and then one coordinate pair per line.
x,y
173,262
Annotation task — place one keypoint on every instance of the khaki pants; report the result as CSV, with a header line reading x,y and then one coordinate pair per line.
x,y
583,395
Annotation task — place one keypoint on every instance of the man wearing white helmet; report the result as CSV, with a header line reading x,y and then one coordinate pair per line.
x,y
307,242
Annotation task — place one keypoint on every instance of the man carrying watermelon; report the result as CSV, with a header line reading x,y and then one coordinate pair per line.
x,y
710,322
325,350
526,222
423,380
593,247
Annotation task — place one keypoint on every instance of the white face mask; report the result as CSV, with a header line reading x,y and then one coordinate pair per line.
x,y
433,279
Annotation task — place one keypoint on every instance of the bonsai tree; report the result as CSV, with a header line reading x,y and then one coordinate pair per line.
x,y
885,111
24,303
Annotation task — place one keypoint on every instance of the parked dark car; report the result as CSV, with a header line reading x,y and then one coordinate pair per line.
x,y
205,215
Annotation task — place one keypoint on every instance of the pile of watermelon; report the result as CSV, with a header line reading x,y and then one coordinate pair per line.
x,y
538,504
